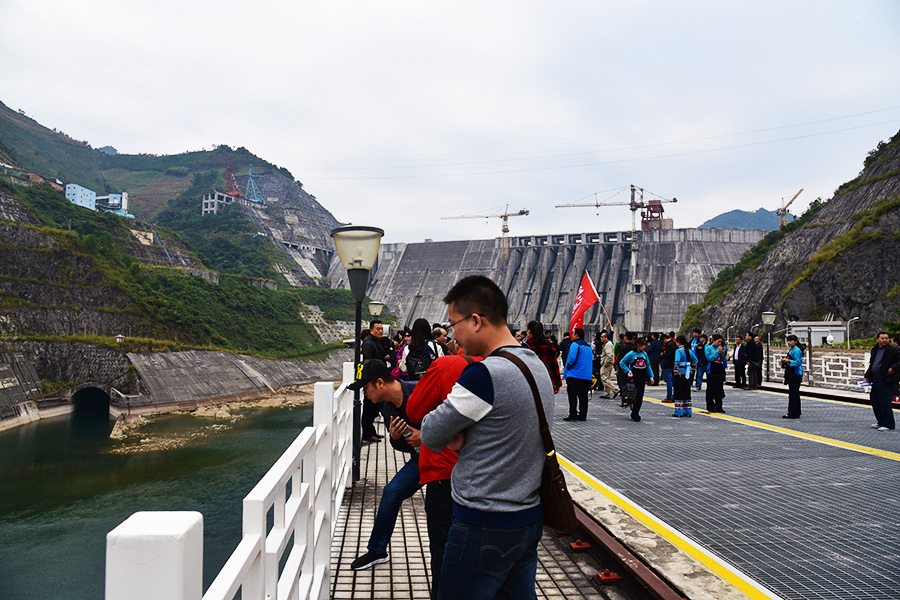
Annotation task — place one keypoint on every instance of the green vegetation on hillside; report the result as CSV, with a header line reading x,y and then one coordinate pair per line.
x,y
842,243
751,259
228,242
170,305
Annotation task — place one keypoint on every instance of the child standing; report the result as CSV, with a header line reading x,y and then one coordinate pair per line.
x,y
636,366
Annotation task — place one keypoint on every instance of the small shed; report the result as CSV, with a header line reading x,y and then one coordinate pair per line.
x,y
818,331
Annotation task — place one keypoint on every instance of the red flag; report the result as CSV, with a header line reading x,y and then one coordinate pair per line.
x,y
586,298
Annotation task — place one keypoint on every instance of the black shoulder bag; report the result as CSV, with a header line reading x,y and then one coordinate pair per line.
x,y
559,510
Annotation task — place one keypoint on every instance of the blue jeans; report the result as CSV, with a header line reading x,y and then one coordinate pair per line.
x,y
881,396
481,563
669,378
700,373
404,484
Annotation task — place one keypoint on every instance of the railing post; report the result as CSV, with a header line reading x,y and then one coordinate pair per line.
x,y
325,415
155,555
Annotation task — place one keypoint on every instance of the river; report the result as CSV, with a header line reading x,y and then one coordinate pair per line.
x,y
64,484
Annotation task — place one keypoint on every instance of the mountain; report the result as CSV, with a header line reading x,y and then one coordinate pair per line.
x,y
70,273
742,219
838,258
285,241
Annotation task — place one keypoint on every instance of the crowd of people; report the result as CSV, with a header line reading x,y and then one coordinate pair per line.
x,y
455,406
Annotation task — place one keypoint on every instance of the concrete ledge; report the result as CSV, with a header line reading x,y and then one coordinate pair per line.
x,y
690,576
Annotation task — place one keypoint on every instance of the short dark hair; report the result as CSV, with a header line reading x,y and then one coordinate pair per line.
x,y
792,338
579,332
717,336
880,333
671,334
703,336
374,322
697,331
476,294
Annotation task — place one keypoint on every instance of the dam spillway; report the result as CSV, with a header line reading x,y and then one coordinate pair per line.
x,y
673,270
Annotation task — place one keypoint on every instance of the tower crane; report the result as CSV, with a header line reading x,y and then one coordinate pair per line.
x,y
651,217
651,213
782,212
505,215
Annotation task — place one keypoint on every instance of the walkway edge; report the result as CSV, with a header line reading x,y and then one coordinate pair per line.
x,y
694,570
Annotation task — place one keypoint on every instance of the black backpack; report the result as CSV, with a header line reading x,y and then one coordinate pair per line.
x,y
418,361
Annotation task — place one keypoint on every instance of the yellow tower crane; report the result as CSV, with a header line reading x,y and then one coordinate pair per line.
x,y
505,215
782,212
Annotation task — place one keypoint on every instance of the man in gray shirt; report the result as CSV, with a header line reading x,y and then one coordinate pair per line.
x,y
490,417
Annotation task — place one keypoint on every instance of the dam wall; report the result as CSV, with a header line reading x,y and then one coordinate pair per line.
x,y
541,276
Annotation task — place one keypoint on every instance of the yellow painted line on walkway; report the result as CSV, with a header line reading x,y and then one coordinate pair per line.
x,y
716,564
792,432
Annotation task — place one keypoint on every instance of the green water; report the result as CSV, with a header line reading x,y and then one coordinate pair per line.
x,y
62,491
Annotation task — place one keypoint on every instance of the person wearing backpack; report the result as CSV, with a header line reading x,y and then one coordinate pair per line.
x,y
637,369
421,350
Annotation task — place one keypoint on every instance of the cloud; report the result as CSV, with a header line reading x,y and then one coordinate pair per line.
x,y
399,113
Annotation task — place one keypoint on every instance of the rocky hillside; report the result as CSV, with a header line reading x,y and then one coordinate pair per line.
x,y
67,272
841,262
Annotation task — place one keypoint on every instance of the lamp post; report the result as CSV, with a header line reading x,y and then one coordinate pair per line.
x,y
848,329
768,319
357,248
728,332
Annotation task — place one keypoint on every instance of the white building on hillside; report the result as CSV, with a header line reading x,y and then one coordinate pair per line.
x,y
81,196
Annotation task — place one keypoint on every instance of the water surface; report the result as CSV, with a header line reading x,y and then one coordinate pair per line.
x,y
64,485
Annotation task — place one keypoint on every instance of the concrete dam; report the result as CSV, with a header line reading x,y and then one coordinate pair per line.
x,y
672,270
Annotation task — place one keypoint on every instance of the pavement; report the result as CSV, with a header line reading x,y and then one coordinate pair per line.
x,y
745,504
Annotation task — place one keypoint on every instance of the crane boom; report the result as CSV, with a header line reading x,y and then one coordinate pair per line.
x,y
782,212
505,215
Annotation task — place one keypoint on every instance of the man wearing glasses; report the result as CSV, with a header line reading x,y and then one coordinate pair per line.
x,y
490,417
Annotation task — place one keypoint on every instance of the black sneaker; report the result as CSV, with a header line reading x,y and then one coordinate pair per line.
x,y
369,559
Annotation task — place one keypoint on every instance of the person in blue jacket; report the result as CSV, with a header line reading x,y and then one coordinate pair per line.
x,y
579,373
685,364
793,375
636,366
716,353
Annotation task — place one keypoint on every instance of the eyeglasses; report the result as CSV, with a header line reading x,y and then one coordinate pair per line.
x,y
455,323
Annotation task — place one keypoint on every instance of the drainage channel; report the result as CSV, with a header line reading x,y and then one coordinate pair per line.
x,y
615,571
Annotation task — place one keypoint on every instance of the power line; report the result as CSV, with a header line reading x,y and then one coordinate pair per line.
x,y
606,162
620,149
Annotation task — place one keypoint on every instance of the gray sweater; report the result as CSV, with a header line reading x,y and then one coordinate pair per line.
x,y
499,467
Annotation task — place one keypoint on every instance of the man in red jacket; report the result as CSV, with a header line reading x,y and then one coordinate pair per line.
x,y
435,467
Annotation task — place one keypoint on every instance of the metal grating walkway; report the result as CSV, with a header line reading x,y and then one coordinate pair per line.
x,y
408,574
774,497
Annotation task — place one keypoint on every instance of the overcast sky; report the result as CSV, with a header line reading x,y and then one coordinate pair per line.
x,y
396,114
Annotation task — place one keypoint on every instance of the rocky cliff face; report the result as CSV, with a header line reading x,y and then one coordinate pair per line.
x,y
842,263
47,287
299,225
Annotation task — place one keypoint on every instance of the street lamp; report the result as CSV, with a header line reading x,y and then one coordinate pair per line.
x,y
728,332
375,308
357,248
848,329
768,319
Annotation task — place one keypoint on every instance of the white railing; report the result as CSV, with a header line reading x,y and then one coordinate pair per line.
x,y
289,517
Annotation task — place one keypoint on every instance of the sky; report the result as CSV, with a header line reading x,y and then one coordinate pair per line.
x,y
398,114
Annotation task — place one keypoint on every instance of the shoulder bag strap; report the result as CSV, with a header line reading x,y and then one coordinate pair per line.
x,y
542,418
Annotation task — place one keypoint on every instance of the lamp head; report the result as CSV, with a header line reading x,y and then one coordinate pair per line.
x,y
357,245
